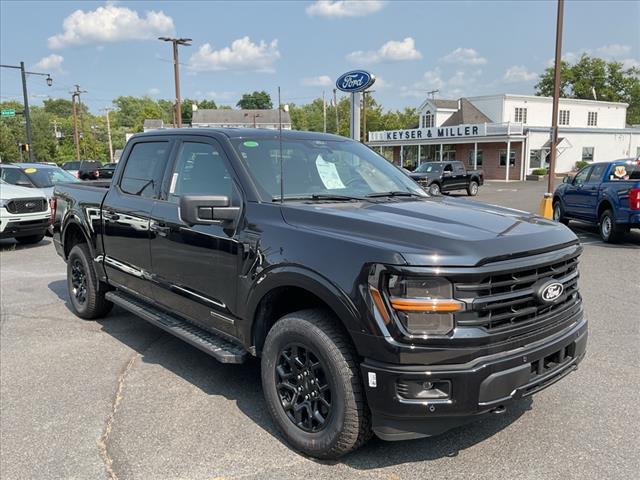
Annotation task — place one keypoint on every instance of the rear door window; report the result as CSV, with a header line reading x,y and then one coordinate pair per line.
x,y
597,171
144,168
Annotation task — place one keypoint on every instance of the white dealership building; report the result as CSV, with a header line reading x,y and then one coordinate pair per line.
x,y
485,131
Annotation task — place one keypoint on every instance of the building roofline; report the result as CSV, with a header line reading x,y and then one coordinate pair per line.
x,y
539,97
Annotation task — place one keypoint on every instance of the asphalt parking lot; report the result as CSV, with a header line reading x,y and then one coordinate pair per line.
x,y
118,398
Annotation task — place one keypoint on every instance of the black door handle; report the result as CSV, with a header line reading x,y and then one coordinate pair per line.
x,y
160,229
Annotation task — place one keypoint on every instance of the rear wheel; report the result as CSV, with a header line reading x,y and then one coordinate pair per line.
x,y
609,231
30,239
472,189
558,213
312,385
434,189
86,292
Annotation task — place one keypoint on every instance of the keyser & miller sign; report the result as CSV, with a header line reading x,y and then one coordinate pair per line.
x,y
478,130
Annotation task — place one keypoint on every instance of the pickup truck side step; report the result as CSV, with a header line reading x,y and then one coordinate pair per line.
x,y
221,349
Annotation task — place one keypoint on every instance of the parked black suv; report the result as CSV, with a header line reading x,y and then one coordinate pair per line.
x,y
374,308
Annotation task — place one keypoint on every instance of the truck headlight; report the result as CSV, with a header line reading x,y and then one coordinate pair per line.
x,y
424,305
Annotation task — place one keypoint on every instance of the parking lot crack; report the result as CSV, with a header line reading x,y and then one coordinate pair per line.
x,y
117,399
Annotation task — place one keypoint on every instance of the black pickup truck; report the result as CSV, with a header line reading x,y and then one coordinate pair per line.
x,y
373,307
437,177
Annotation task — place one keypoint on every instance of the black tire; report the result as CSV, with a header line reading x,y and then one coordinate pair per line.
x,y
347,421
86,292
558,213
472,189
609,231
434,190
30,239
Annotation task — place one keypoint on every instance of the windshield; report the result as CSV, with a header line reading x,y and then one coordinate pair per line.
x,y
48,176
429,167
316,168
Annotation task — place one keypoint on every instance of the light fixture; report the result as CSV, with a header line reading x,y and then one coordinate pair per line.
x,y
49,80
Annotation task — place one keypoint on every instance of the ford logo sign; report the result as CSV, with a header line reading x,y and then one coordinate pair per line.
x,y
550,292
30,205
355,81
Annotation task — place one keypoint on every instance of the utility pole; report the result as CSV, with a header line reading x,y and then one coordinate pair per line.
x,y
335,103
106,112
76,137
324,113
546,207
27,116
176,72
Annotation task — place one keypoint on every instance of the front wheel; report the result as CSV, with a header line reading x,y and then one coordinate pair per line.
x,y
434,189
609,231
312,385
472,189
558,213
30,239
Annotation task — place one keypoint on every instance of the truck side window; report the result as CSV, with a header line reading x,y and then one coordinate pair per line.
x,y
597,172
582,175
199,170
448,168
144,168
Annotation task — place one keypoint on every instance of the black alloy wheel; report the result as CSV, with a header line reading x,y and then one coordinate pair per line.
x,y
303,388
79,281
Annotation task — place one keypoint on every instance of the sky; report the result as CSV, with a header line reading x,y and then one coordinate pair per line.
x,y
460,48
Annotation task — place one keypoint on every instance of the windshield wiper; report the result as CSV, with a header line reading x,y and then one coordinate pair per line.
x,y
399,193
320,196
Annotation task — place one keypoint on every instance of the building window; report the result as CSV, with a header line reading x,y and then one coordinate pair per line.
x,y
520,115
503,158
563,117
538,158
471,158
592,119
427,120
587,154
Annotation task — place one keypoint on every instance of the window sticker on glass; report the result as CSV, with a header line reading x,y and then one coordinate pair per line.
x,y
328,174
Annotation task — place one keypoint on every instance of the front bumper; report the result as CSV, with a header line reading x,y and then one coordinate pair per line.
x,y
24,228
469,390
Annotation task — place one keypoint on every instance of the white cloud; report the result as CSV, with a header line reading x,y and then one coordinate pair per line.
x,y
111,24
392,51
464,56
243,54
381,83
431,80
153,91
518,73
319,81
628,63
50,63
455,86
344,8
222,95
615,50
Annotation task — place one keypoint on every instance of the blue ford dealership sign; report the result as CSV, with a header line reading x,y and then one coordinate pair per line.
x,y
355,81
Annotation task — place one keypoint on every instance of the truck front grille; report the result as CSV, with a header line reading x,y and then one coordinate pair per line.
x,y
27,205
505,301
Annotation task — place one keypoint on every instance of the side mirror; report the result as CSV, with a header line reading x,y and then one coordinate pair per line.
x,y
567,179
207,209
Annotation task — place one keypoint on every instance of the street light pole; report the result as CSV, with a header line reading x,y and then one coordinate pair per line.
x,y
176,72
27,116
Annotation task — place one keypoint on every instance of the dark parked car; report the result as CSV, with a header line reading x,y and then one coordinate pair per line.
x,y
106,171
606,193
437,177
84,169
374,307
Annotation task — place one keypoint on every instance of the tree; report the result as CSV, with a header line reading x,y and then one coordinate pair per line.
x,y
610,81
187,108
61,107
255,101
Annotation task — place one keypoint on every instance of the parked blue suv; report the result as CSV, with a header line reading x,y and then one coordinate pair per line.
x,y
607,194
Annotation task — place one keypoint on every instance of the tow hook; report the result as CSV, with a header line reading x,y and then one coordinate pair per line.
x,y
499,410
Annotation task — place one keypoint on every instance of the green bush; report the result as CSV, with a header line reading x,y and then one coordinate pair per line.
x,y
581,164
539,171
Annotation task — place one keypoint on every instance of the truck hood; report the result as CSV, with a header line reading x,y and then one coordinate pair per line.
x,y
434,231
8,191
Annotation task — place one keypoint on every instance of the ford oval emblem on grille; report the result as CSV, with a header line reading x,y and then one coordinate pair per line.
x,y
30,205
550,292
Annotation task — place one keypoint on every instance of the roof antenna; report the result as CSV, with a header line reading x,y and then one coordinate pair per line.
x,y
280,142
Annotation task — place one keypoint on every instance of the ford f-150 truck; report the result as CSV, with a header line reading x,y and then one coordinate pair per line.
x,y
373,307
437,177
606,193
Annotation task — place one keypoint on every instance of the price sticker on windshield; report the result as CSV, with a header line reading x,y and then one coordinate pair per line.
x,y
30,170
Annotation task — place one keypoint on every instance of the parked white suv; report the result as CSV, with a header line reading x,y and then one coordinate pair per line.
x,y
24,213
